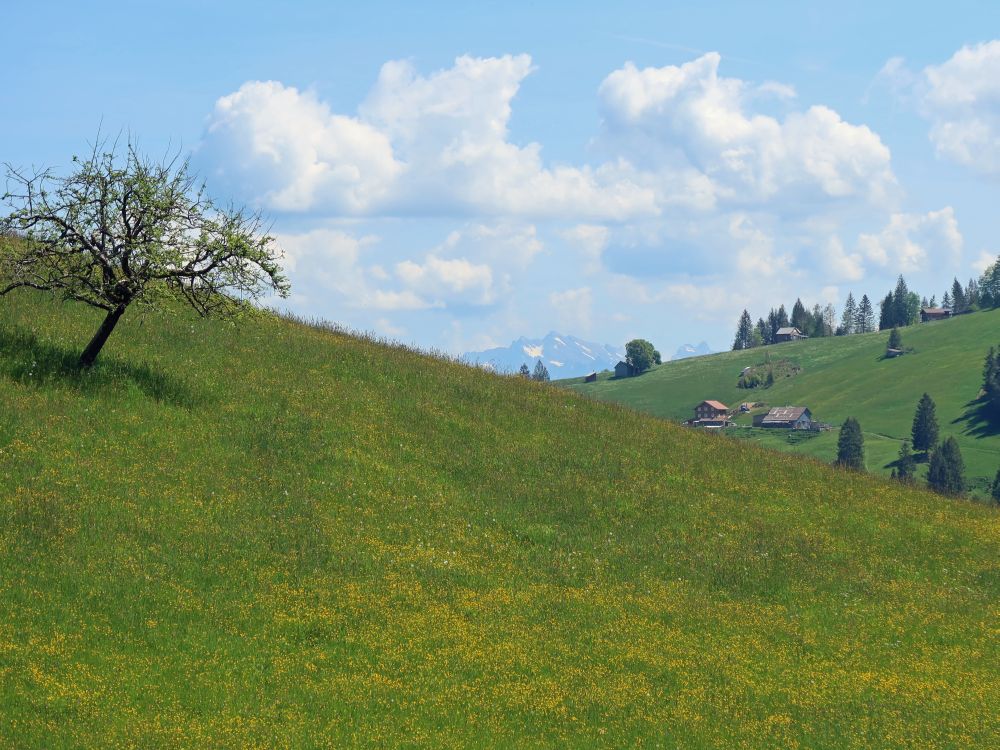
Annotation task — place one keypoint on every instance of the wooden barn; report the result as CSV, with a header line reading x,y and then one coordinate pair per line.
x,y
623,370
928,314
592,378
789,418
788,334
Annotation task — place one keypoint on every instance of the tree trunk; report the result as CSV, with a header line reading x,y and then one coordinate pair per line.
x,y
97,343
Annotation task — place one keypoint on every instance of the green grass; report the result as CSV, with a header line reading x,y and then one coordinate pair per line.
x,y
843,377
280,536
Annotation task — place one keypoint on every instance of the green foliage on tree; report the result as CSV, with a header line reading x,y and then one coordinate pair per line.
x,y
848,319
991,382
540,373
851,445
895,339
906,464
121,229
744,333
946,473
989,286
640,355
995,489
865,322
925,425
524,372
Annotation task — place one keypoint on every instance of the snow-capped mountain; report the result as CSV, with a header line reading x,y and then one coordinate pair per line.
x,y
683,352
563,356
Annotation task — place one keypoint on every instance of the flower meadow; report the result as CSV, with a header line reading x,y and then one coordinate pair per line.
x,y
272,535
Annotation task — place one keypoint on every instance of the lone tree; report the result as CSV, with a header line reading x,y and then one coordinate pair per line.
x,y
123,229
851,445
541,372
946,473
640,355
925,426
895,339
906,465
744,333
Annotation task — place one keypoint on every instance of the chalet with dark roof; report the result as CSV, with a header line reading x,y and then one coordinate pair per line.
x,y
788,333
928,314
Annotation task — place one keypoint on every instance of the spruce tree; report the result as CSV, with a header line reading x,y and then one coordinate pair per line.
x,y
925,426
799,315
541,372
991,381
946,300
524,372
866,316
744,333
906,464
946,473
848,320
895,340
958,302
851,445
887,313
900,304
933,302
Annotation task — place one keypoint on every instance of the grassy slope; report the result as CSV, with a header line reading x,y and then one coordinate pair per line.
x,y
280,537
844,377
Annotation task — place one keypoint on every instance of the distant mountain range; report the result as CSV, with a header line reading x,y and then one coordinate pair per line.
x,y
564,356
687,350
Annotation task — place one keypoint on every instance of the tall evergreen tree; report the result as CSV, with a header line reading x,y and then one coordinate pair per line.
x,y
946,300
991,381
849,319
946,473
541,372
851,445
524,372
925,425
744,333
887,313
906,465
933,302
901,304
958,301
799,319
866,316
972,296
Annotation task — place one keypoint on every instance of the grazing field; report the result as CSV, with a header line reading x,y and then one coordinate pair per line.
x,y
842,377
280,536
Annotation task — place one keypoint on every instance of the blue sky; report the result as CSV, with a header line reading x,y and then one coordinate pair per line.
x,y
458,175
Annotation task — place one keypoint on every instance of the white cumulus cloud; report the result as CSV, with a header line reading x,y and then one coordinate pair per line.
x,y
912,242
688,119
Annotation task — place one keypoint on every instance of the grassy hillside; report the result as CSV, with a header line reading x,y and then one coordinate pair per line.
x,y
843,377
276,536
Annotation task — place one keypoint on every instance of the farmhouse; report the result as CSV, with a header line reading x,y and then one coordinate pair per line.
x,y
592,378
623,370
788,417
788,334
934,313
710,410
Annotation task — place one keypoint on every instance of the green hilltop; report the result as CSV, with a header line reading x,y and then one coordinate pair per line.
x,y
277,535
840,377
